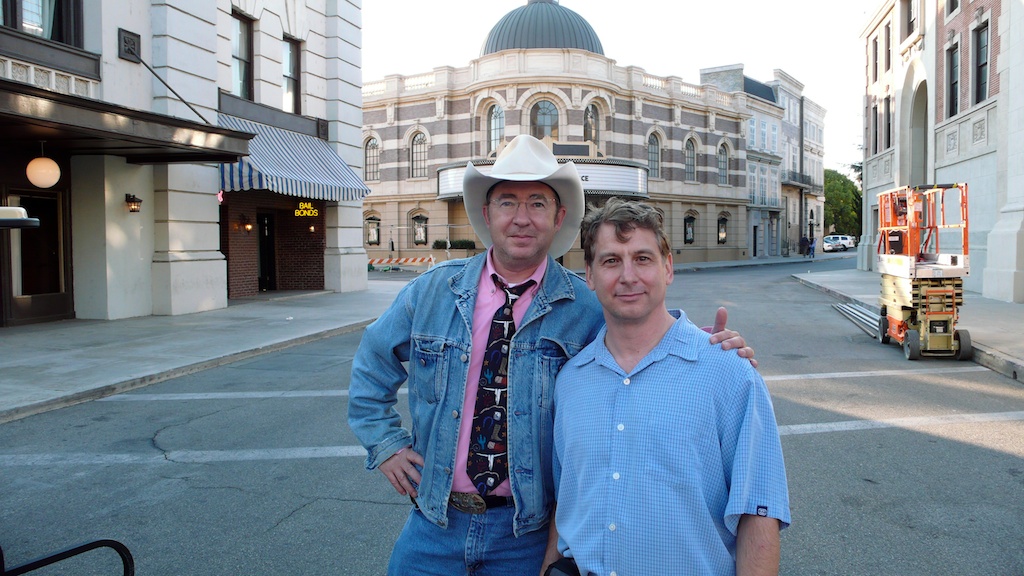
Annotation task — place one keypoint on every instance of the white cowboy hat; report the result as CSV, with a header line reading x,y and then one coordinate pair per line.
x,y
526,159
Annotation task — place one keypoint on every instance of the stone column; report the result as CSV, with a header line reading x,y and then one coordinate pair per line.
x,y
190,274
344,258
1004,273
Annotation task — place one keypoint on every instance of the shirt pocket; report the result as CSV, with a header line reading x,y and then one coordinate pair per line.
x,y
428,368
552,355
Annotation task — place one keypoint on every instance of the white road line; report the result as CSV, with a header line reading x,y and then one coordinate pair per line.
x,y
874,373
229,396
182,456
343,393
304,453
909,422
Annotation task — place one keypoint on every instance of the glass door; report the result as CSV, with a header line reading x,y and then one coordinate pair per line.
x,y
37,287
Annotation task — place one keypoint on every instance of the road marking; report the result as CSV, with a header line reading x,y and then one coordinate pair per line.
x,y
229,396
909,422
873,373
343,393
305,453
183,456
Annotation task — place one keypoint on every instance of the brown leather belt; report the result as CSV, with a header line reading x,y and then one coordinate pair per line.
x,y
473,503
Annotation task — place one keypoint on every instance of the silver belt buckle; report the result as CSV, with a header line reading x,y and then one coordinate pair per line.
x,y
468,502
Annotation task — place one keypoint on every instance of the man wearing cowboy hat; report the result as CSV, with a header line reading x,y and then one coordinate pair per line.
x,y
480,341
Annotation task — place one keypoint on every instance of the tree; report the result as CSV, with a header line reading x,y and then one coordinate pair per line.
x,y
842,204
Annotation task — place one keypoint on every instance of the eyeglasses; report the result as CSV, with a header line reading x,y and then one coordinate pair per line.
x,y
537,205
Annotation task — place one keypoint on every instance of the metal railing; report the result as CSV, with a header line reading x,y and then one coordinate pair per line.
x,y
797,177
127,561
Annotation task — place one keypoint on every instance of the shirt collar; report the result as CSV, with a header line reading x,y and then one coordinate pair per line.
x,y
537,275
683,340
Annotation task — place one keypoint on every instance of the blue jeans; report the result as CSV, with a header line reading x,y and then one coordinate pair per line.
x,y
473,544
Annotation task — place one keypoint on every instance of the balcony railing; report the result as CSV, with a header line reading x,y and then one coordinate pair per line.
x,y
764,200
794,177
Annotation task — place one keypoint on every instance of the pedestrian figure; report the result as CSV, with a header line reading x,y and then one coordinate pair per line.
x,y
803,245
478,343
667,452
812,245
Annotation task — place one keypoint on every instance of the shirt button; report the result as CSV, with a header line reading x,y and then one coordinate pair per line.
x,y
626,381
620,427
615,476
423,362
611,527
614,573
464,357
455,413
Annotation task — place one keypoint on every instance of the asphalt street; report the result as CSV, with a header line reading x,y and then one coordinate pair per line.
x,y
249,468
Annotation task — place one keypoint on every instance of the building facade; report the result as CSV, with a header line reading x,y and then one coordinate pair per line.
x,y
684,147
802,171
944,102
147,110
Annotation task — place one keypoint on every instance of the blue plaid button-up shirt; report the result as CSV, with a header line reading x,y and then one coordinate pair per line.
x,y
654,468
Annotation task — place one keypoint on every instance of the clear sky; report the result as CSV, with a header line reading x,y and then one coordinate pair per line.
x,y
817,43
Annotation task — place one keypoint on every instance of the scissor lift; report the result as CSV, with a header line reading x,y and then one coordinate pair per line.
x,y
922,286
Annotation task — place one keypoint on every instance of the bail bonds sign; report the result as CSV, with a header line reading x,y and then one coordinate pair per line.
x,y
306,209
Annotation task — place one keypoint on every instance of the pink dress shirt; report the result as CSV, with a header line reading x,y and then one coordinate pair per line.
x,y
488,299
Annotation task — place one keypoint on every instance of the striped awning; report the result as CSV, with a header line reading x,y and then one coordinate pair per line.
x,y
289,163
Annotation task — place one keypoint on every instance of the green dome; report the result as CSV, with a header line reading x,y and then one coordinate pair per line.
x,y
542,24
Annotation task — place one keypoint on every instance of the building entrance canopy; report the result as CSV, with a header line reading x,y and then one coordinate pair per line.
x,y
82,126
289,163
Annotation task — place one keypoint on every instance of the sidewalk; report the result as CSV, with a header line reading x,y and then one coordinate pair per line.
x,y
48,366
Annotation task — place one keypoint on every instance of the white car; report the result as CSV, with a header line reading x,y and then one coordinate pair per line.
x,y
832,245
846,241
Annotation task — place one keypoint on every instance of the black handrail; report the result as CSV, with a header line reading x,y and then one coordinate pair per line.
x,y
126,557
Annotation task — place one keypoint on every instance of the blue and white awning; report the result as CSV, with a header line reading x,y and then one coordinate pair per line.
x,y
289,163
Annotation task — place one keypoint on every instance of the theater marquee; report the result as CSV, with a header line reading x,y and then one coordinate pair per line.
x,y
604,178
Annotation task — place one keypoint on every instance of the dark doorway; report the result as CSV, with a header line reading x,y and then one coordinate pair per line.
x,y
267,253
755,242
37,272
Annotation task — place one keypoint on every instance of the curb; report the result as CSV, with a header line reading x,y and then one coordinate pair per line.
x,y
142,381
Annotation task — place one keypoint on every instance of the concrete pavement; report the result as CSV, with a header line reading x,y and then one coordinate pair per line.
x,y
48,366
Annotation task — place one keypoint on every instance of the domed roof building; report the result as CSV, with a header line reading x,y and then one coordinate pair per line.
x,y
542,24
726,160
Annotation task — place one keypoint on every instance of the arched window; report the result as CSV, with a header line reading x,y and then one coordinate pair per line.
x,y
419,156
591,125
495,128
371,159
654,156
723,165
373,231
689,223
544,120
723,227
690,162
419,229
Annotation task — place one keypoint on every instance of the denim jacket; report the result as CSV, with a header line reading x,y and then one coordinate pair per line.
x,y
428,328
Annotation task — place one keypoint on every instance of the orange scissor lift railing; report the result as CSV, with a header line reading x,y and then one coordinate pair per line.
x,y
922,285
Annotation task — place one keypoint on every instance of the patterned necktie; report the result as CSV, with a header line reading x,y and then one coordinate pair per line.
x,y
487,465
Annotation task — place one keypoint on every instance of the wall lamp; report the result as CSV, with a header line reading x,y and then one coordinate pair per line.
x,y
244,223
42,172
134,202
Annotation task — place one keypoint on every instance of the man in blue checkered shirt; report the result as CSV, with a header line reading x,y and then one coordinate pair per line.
x,y
667,453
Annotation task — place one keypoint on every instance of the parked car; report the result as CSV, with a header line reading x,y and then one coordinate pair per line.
x,y
832,245
846,241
